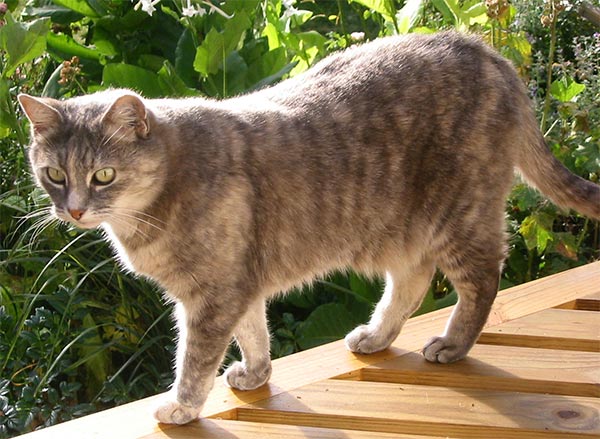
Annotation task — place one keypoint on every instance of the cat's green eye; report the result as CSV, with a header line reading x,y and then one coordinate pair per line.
x,y
104,176
56,175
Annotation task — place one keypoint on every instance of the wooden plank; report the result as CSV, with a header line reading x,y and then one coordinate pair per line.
x,y
595,296
550,329
544,293
590,303
410,409
498,368
333,359
220,429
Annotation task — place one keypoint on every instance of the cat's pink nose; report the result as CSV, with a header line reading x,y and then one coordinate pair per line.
x,y
77,213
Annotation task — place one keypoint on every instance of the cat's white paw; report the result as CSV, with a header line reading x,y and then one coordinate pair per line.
x,y
173,412
444,350
239,377
364,340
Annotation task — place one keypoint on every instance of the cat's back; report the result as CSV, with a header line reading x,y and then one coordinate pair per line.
x,y
408,67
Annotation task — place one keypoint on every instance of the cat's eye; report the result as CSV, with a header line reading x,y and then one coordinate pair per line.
x,y
56,175
104,176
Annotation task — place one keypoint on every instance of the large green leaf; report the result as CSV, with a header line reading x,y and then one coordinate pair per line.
x,y
329,322
81,6
566,89
133,77
7,120
171,84
384,7
215,48
68,47
536,230
105,42
22,42
184,58
95,353
409,15
52,87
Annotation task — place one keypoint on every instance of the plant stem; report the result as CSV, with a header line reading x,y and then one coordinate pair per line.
x,y
342,21
551,52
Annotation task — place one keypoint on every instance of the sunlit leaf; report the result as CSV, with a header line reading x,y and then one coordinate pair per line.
x,y
566,89
384,7
536,230
130,76
22,42
68,47
409,15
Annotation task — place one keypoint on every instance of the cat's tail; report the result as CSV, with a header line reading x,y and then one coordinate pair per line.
x,y
543,171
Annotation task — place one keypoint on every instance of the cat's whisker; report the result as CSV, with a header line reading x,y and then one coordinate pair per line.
x,y
124,222
141,220
33,214
37,216
139,212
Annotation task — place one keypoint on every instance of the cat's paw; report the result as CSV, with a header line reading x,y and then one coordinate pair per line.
x,y
173,412
444,350
364,340
240,377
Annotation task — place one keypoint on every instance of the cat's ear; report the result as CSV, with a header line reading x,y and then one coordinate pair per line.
x,y
41,112
127,116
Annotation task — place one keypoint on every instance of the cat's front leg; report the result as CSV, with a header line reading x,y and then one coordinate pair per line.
x,y
204,333
252,336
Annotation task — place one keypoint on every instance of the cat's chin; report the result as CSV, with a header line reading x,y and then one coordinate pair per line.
x,y
86,225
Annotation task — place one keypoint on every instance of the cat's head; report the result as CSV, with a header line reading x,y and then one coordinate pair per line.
x,y
98,157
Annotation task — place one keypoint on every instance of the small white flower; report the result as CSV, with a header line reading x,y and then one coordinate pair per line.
x,y
147,6
190,11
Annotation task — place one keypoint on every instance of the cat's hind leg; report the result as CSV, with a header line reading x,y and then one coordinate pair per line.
x,y
405,288
252,336
475,273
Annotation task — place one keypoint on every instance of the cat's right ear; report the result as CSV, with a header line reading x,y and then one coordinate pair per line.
x,y
43,116
127,116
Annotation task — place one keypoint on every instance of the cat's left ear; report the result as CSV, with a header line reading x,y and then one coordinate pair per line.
x,y
41,112
127,116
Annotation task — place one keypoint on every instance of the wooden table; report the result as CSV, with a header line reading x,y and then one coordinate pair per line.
x,y
534,373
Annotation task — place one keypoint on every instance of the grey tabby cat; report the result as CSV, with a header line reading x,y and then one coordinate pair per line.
x,y
391,158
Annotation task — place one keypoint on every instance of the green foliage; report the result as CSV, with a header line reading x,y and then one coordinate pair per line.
x,y
77,333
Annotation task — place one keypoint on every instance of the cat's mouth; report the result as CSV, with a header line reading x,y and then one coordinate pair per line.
x,y
81,220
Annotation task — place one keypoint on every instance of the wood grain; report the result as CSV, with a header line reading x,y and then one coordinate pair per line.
x,y
221,429
407,408
550,329
498,368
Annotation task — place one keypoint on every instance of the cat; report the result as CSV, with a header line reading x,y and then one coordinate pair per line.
x,y
392,157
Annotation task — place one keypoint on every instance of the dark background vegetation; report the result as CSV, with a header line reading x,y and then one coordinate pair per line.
x,y
77,334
